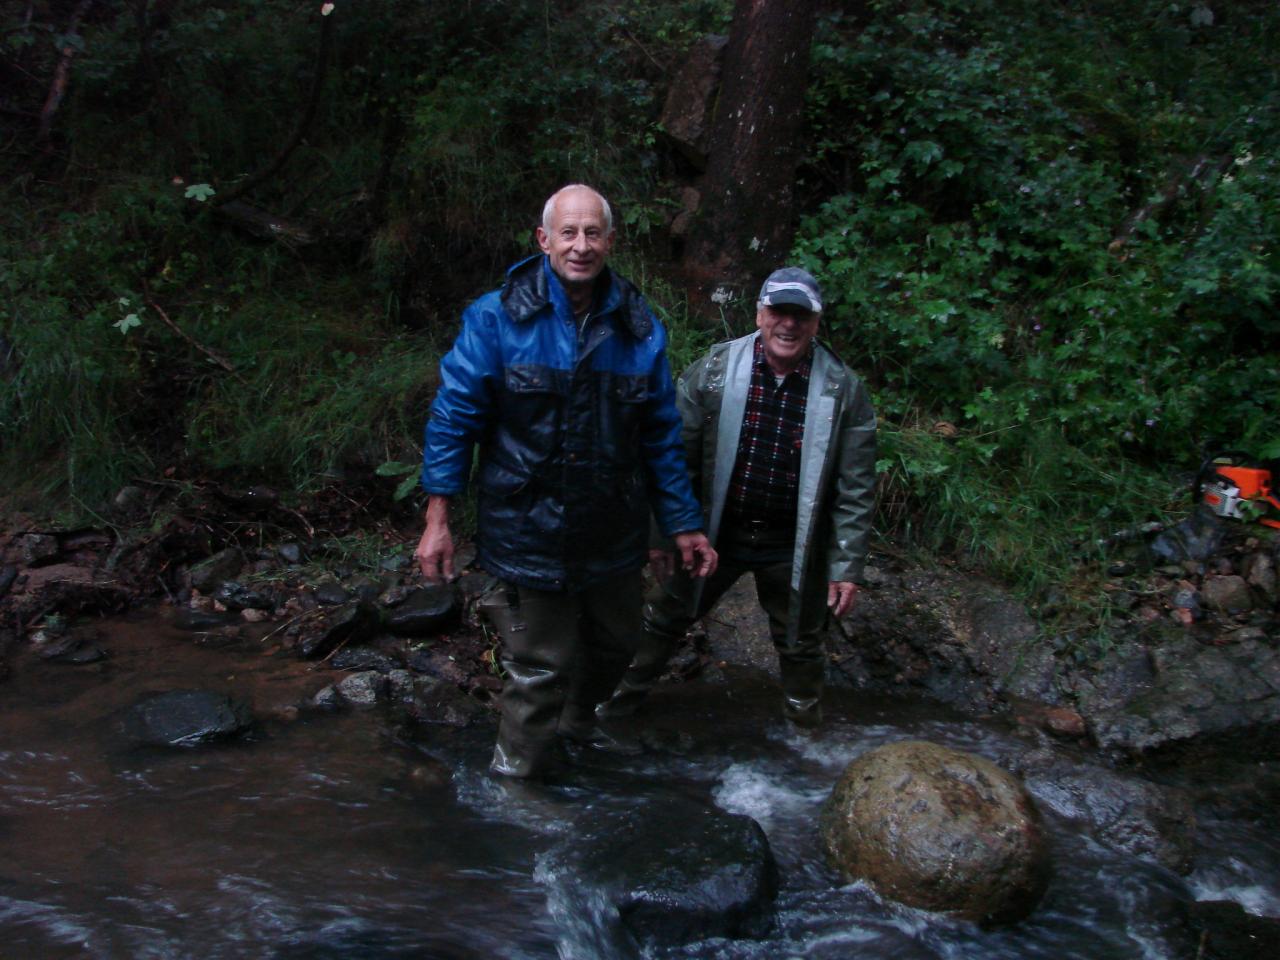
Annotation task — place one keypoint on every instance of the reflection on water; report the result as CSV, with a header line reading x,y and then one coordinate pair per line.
x,y
335,836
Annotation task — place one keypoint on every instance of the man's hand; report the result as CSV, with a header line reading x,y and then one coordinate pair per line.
x,y
697,557
662,563
841,596
435,550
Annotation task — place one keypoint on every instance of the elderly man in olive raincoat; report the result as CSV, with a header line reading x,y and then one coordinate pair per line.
x,y
779,436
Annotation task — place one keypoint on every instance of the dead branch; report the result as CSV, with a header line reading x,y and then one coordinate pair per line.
x,y
304,124
1192,172
262,224
61,75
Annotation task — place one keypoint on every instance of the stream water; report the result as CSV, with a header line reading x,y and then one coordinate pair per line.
x,y
349,836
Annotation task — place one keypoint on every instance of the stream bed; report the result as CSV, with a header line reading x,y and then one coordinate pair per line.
x,y
358,835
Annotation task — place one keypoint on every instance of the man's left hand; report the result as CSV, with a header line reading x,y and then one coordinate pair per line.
x,y
841,596
697,557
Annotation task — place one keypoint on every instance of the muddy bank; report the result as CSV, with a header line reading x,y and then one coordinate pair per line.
x,y
1191,649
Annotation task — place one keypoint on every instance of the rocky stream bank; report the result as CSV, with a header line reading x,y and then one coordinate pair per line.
x,y
1186,677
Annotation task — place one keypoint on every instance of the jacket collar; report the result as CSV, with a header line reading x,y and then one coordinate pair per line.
x,y
531,285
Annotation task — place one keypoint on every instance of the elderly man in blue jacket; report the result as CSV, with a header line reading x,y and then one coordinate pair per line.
x,y
561,380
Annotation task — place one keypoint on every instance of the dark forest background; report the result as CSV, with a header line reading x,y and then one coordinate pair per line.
x,y
236,236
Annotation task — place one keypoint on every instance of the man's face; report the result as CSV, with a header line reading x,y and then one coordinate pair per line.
x,y
786,332
577,242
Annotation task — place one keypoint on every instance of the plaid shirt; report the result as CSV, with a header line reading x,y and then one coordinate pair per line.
x,y
766,474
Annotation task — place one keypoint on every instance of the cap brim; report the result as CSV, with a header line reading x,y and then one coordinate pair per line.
x,y
792,297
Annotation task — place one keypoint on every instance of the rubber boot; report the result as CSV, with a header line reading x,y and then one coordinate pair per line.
x,y
537,651
802,681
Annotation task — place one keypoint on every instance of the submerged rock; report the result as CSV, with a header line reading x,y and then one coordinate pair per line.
x,y
1228,932
435,701
672,869
183,718
938,829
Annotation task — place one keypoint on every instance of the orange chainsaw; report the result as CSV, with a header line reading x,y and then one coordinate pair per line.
x,y
1234,485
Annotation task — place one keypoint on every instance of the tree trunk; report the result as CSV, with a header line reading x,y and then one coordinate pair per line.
x,y
744,223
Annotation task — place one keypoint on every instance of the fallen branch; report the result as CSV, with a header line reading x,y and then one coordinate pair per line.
x,y
211,354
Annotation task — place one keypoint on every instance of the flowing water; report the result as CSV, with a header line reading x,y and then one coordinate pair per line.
x,y
349,836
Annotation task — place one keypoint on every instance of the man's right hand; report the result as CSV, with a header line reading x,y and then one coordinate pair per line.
x,y
435,550
697,557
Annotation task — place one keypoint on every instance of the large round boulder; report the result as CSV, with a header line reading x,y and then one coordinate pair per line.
x,y
938,829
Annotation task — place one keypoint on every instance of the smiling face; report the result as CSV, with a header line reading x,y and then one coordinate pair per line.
x,y
786,332
577,236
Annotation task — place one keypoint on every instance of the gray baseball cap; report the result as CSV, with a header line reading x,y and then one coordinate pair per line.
x,y
791,286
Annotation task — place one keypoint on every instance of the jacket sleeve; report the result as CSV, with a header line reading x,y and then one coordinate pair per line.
x,y
462,404
853,496
670,494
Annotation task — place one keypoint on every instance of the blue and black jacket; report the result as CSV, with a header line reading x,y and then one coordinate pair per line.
x,y
577,429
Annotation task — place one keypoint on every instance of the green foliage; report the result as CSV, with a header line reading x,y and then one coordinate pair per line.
x,y
1046,230
1070,262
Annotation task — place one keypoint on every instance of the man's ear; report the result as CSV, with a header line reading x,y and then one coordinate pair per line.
x,y
544,241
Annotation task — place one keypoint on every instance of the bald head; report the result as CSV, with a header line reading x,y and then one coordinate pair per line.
x,y
549,208
576,235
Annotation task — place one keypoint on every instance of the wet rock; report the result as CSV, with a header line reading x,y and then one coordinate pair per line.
x,y
38,549
1061,721
326,699
400,685
331,593
129,503
290,552
181,718
1196,538
363,690
8,574
962,640
674,870
208,575
355,623
1262,577
424,612
236,596
362,657
1228,932
440,702
1229,595
187,618
395,596
76,647
365,589
938,829
1128,814
394,563
1186,597
438,663
1184,689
